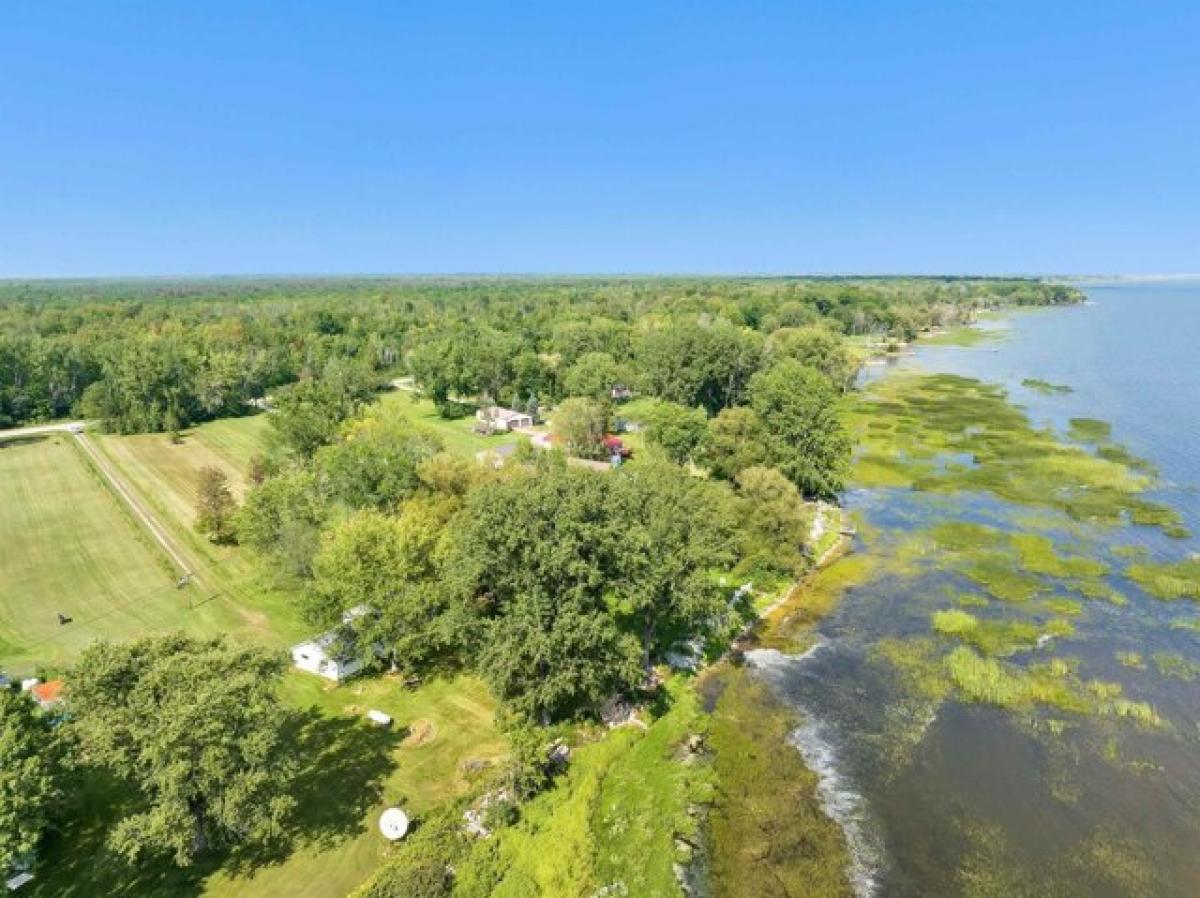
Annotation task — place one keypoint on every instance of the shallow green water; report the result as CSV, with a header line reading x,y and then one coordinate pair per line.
x,y
1002,709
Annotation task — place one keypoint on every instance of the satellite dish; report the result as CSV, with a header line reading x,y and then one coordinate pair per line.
x,y
393,823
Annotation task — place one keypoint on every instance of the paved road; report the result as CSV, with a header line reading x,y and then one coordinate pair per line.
x,y
18,432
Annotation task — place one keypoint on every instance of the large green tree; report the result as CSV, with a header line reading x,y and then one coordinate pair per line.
x,y
818,347
393,566
675,531
31,776
581,425
798,407
736,440
699,364
593,375
677,430
196,730
309,414
538,557
374,463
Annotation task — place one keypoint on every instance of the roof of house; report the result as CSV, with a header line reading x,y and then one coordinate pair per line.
x,y
48,693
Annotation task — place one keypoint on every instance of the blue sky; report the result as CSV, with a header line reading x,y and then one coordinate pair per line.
x,y
155,138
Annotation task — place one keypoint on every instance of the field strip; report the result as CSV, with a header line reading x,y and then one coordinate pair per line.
x,y
139,510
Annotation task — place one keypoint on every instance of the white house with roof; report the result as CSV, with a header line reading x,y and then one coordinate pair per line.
x,y
330,655
501,420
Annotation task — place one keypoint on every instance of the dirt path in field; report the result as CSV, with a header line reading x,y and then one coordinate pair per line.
x,y
140,511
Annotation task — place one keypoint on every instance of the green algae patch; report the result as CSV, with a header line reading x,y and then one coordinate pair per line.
x,y
964,336
1054,684
1170,580
1174,665
959,536
1045,387
1060,605
1191,624
1089,430
996,574
769,833
918,664
986,680
991,637
996,450
1039,556
1120,455
1132,660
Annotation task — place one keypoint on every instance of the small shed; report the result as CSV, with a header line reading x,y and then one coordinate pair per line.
x,y
327,655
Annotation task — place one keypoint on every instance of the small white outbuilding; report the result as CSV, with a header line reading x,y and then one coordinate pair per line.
x,y
325,655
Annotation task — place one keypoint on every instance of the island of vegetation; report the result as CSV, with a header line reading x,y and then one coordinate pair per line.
x,y
530,517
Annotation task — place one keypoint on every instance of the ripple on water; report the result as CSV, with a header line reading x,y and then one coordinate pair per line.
x,y
840,799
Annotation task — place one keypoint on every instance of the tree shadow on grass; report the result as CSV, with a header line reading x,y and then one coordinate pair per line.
x,y
75,861
342,765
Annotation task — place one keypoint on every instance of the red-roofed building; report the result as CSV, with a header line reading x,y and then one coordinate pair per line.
x,y
48,694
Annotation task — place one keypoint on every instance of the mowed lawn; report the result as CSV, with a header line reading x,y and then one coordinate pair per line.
x,y
69,546
444,733
458,435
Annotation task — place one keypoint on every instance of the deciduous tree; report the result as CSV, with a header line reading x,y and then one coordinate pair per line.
x,y
31,776
194,727
215,505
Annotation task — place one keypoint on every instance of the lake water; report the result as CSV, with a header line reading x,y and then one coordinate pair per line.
x,y
958,798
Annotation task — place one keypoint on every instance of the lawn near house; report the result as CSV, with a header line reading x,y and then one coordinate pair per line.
x,y
459,435
350,771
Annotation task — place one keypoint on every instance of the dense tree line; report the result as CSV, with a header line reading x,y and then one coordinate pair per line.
x,y
159,355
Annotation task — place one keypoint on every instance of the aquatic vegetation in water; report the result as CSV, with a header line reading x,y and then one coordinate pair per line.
x,y
1089,430
1045,387
1171,580
1059,605
1186,623
992,637
964,336
940,415
1054,683
1039,556
917,661
1172,664
1132,660
987,680
770,834
995,573
1117,453
813,599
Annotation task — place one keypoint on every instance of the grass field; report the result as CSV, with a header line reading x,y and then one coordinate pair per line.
x,y
350,771
71,546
